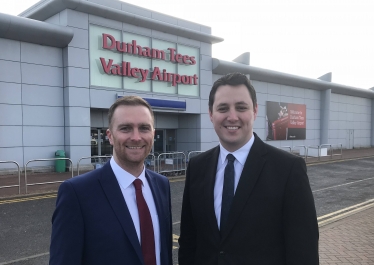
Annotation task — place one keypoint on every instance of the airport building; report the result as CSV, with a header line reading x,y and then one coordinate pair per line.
x,y
64,62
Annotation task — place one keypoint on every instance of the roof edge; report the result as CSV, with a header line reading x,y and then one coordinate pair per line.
x,y
224,67
46,9
32,31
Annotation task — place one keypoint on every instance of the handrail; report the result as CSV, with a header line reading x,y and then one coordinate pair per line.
x,y
50,182
172,154
312,147
19,177
305,150
328,145
286,146
341,151
90,157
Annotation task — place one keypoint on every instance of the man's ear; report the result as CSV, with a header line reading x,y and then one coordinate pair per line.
x,y
109,134
255,111
211,116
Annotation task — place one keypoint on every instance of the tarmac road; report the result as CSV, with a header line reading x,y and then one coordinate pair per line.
x,y
25,222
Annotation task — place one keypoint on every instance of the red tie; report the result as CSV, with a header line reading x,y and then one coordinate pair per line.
x,y
146,227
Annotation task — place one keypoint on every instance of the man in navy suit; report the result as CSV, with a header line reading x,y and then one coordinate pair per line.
x,y
98,216
245,202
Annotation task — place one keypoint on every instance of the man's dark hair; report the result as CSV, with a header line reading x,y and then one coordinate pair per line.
x,y
128,101
232,79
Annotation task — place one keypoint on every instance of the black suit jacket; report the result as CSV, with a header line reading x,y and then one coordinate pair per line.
x,y
272,219
92,224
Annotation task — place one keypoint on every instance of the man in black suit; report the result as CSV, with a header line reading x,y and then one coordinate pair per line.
x,y
120,213
245,202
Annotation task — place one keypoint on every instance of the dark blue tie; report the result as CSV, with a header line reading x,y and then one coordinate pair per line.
x,y
228,190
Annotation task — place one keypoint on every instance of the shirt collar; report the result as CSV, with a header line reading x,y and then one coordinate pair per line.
x,y
124,178
240,155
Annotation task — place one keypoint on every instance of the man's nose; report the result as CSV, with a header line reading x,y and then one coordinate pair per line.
x,y
135,135
232,115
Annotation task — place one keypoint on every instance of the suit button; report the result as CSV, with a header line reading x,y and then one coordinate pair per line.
x,y
222,253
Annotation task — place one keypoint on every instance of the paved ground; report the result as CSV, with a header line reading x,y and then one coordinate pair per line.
x,y
349,240
346,236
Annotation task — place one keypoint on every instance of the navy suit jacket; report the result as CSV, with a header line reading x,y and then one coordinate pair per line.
x,y
92,224
272,220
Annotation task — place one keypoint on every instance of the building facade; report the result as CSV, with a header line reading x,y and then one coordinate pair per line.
x,y
64,62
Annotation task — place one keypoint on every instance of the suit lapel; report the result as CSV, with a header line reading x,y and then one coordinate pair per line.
x,y
209,176
114,195
251,172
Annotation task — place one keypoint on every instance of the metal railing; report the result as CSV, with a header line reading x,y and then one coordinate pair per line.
x,y
91,157
312,147
288,147
332,150
171,163
192,154
19,177
150,162
305,150
49,182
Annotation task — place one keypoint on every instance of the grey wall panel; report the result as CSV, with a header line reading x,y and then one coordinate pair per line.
x,y
33,74
206,123
166,121
78,136
189,121
41,152
137,30
136,10
298,92
11,154
205,78
10,93
51,96
77,57
204,91
274,89
188,42
112,4
38,54
189,25
11,136
55,19
13,114
105,22
100,98
43,116
77,116
193,105
10,71
204,108
260,87
77,152
77,19
261,110
10,50
206,48
80,39
165,18
206,29
164,36
206,63
187,135
77,77
43,136
77,97
187,146
286,90
297,100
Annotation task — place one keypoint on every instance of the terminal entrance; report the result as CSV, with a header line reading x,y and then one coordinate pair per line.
x,y
164,141
100,143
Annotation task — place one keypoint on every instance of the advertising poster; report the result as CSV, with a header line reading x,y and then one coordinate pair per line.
x,y
285,121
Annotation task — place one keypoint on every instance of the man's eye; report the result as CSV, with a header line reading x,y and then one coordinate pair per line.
x,y
241,108
145,128
222,109
125,129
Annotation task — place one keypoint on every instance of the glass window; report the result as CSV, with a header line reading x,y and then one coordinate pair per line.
x,y
189,73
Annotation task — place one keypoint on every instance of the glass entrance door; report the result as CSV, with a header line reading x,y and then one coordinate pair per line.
x,y
164,141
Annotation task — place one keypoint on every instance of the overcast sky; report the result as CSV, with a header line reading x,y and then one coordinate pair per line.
x,y
305,38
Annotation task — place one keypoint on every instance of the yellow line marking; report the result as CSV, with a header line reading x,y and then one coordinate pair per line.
x,y
335,216
336,161
29,199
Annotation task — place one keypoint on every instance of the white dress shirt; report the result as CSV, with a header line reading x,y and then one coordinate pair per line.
x,y
240,158
125,181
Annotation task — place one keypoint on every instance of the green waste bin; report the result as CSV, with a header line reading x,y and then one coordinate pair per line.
x,y
60,164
